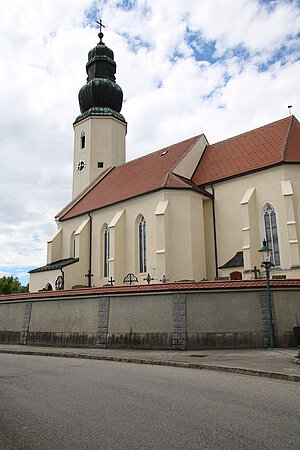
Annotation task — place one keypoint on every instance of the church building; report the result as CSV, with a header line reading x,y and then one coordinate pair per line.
x,y
189,212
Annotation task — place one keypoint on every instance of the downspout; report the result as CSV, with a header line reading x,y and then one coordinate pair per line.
x,y
90,254
215,232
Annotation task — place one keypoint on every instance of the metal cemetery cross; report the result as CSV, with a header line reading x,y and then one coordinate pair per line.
x,y
130,278
148,278
111,281
164,279
256,272
89,276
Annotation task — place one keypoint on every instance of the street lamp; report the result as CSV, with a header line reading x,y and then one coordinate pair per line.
x,y
267,264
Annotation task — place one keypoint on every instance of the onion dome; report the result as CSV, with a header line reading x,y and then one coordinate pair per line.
x,y
101,95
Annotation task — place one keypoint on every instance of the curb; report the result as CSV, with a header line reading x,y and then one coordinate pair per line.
x,y
238,370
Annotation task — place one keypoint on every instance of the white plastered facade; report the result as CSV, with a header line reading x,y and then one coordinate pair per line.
x,y
239,203
177,250
180,226
179,232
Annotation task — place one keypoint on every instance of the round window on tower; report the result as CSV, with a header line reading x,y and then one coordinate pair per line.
x,y
80,166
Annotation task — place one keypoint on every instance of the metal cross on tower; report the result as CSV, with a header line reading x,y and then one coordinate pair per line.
x,y
99,22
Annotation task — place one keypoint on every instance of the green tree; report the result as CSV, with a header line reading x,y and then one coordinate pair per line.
x,y
24,288
11,285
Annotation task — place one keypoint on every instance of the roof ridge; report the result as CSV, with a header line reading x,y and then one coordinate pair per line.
x,y
178,178
184,180
170,172
159,150
288,134
195,139
205,148
250,131
167,179
187,182
84,192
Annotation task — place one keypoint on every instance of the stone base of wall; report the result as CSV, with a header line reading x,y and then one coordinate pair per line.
x,y
154,341
10,337
210,341
286,340
62,339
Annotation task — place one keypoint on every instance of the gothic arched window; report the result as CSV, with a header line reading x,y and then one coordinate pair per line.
x,y
106,252
142,245
82,140
73,245
271,232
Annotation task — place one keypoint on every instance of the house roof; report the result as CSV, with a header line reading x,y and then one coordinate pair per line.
x,y
236,261
55,265
140,176
257,149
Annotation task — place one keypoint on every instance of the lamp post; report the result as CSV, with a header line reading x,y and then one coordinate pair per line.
x,y
266,252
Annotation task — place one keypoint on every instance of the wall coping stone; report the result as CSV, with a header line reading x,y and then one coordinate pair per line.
x,y
188,287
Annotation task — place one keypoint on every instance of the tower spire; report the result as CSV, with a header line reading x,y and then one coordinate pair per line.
x,y
101,95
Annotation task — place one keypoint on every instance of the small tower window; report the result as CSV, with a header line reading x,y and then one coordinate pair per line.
x,y
100,164
82,140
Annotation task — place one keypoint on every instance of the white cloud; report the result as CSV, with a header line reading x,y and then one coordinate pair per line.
x,y
4,274
170,93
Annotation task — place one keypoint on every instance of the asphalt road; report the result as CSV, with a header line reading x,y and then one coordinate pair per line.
x,y
57,403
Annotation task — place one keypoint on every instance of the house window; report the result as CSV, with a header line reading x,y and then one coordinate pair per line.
x,y
106,252
142,245
271,232
82,140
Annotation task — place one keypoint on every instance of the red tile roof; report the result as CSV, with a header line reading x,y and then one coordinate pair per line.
x,y
266,146
263,147
143,175
167,287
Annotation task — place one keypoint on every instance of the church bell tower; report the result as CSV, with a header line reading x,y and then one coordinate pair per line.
x,y
100,130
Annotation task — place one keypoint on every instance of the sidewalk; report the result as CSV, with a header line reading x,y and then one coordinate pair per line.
x,y
271,363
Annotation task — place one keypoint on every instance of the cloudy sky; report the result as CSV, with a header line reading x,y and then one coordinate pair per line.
x,y
220,67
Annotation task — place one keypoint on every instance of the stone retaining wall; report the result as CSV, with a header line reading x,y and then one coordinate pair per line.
x,y
194,319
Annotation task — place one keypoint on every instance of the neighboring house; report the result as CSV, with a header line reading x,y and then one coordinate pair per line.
x,y
190,211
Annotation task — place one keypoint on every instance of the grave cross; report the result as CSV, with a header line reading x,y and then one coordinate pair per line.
x,y
256,272
164,279
111,281
130,278
89,276
148,278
